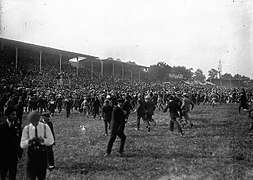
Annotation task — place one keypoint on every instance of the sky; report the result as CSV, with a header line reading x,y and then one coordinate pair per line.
x,y
191,33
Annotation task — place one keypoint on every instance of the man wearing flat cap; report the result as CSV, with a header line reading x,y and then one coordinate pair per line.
x,y
36,136
10,150
117,127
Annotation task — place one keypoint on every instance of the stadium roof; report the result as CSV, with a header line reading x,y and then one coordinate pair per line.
x,y
111,60
34,47
28,49
115,61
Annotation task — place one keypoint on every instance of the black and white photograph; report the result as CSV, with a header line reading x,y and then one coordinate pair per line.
x,y
126,89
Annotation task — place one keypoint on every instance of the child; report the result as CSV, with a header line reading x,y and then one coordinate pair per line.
x,y
50,153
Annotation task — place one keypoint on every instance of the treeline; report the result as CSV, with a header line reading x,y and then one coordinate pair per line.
x,y
163,72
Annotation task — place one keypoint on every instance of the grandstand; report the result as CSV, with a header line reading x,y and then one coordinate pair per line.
x,y
108,68
19,53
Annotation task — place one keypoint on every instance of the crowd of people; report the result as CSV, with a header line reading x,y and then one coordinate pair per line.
x,y
39,93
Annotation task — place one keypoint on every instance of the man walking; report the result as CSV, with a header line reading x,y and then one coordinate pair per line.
x,y
117,127
141,112
107,114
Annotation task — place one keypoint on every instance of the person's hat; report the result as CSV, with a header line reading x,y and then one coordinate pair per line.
x,y
120,100
33,116
171,98
9,110
45,114
147,97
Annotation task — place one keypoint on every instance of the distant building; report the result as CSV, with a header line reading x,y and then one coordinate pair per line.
x,y
176,76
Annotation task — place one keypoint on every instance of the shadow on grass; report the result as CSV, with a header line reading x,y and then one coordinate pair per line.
x,y
161,155
90,167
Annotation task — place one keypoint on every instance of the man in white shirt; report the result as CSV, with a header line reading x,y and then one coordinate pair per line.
x,y
36,136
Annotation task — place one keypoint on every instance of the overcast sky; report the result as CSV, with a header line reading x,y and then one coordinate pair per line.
x,y
191,33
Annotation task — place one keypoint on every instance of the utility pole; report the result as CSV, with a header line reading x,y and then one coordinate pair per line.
x,y
220,70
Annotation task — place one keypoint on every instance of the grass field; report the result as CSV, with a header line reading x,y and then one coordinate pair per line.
x,y
217,147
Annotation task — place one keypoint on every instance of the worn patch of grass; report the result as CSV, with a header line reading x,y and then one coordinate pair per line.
x,y
217,147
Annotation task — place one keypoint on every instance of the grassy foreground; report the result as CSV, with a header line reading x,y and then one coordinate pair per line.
x,y
217,147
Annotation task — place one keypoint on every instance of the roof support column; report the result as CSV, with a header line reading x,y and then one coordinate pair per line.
x,y
91,71
122,67
2,50
113,73
60,62
77,68
16,62
40,60
131,74
147,74
139,74
102,68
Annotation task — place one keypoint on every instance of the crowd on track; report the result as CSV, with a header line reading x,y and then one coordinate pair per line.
x,y
26,89
49,90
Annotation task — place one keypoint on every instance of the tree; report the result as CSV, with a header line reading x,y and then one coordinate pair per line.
x,y
187,73
199,76
159,72
227,76
245,78
213,74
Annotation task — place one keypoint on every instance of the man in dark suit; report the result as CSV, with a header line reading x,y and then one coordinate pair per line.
x,y
68,105
141,112
107,114
174,108
117,127
10,150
